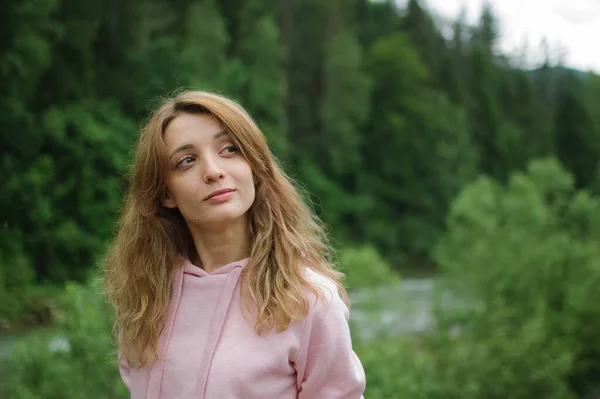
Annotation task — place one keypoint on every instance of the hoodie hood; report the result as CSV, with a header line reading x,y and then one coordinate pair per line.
x,y
232,272
190,268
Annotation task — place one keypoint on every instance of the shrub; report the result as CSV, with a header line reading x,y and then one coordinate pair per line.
x,y
16,273
397,367
364,267
81,365
22,301
525,258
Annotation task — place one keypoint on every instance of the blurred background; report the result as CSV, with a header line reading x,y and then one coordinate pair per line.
x,y
454,159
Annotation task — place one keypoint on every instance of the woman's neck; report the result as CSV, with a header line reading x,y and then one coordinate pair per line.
x,y
216,248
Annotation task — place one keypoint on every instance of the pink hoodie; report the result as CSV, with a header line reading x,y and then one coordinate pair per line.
x,y
213,353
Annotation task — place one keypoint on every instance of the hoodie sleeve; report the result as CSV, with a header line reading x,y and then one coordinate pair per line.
x,y
326,365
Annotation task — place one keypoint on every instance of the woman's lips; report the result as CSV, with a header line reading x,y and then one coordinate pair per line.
x,y
220,195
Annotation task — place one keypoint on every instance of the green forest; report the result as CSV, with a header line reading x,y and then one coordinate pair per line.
x,y
424,150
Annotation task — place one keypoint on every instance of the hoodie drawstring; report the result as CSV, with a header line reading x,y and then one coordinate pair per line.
x,y
216,327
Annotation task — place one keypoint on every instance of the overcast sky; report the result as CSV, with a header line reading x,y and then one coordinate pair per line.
x,y
573,25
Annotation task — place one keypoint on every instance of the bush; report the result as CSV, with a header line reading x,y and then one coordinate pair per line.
x,y
364,267
22,301
515,311
525,258
397,367
16,273
498,358
78,363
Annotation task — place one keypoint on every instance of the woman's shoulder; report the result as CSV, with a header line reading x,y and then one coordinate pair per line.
x,y
327,294
319,280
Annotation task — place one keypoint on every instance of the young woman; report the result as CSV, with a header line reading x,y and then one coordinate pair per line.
x,y
220,275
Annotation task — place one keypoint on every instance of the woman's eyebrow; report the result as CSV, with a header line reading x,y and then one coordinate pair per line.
x,y
184,147
220,134
181,148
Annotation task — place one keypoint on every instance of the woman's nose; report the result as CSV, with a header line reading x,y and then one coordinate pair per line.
x,y
212,171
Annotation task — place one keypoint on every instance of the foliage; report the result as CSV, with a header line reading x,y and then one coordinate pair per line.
x,y
385,121
332,175
431,153
379,115
577,144
527,275
262,87
77,362
364,267
515,315
12,283
397,368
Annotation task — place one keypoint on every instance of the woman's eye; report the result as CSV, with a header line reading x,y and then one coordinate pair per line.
x,y
185,161
230,149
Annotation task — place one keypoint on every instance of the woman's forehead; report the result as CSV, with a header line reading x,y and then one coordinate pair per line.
x,y
193,128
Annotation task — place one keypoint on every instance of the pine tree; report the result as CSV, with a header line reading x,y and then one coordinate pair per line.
x,y
344,111
484,109
345,106
577,144
262,85
204,48
418,153
426,38
306,27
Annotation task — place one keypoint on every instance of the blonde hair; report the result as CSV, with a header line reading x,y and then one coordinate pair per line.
x,y
151,240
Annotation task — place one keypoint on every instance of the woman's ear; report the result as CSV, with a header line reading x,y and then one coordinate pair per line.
x,y
169,202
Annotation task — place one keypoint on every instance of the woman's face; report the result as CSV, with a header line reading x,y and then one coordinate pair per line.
x,y
209,180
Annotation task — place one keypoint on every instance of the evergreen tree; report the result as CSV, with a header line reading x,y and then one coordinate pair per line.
x,y
304,67
426,38
262,85
455,69
377,19
485,111
524,110
345,107
76,80
418,153
577,144
487,32
344,111
204,48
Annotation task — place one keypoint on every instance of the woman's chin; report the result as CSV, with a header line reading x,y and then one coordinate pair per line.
x,y
223,221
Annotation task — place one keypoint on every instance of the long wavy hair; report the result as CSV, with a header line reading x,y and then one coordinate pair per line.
x,y
151,240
